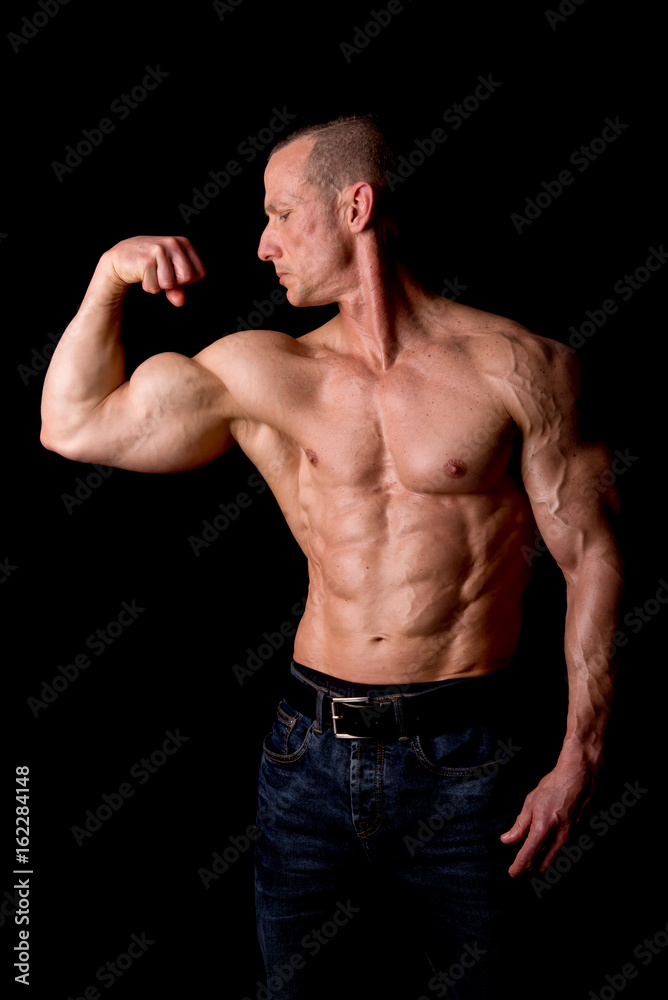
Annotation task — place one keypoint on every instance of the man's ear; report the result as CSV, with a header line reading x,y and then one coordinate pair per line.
x,y
361,200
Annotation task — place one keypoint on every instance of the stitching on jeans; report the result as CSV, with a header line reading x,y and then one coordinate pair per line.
x,y
289,719
380,762
290,758
357,786
448,772
378,791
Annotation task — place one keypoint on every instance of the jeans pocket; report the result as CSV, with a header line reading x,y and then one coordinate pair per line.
x,y
473,751
290,735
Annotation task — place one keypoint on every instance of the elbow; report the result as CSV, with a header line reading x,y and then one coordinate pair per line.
x,y
48,441
602,570
48,434
65,447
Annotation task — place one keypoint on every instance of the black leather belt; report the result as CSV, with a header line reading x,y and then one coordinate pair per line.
x,y
457,701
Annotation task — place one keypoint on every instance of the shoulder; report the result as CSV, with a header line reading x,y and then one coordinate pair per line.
x,y
254,345
525,368
253,361
260,373
504,346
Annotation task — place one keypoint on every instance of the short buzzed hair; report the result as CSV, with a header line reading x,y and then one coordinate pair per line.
x,y
347,149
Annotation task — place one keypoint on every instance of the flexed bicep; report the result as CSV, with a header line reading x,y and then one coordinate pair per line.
x,y
172,415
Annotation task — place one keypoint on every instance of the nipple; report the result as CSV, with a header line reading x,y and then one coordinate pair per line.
x,y
312,457
455,468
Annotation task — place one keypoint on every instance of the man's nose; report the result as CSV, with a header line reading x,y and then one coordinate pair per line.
x,y
268,248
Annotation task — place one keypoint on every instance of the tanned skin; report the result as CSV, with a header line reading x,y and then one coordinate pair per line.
x,y
386,436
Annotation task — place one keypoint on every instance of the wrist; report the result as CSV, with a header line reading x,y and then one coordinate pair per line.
x,y
106,288
585,754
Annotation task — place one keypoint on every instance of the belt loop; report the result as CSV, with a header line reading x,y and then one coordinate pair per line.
x,y
318,709
399,715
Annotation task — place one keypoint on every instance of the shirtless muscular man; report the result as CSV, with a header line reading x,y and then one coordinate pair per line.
x,y
386,436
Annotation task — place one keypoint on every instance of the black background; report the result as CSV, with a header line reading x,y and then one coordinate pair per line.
x,y
70,566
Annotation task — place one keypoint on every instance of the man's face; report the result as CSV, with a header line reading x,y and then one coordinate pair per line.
x,y
305,238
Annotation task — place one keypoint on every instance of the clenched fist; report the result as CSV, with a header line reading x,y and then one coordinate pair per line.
x,y
160,263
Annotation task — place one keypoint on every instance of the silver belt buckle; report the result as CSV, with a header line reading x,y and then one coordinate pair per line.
x,y
347,701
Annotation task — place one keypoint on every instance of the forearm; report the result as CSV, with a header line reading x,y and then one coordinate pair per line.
x,y
89,361
593,597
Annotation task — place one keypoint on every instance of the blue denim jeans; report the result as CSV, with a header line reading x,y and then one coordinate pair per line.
x,y
423,813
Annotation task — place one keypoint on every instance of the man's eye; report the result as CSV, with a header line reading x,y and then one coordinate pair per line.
x,y
282,217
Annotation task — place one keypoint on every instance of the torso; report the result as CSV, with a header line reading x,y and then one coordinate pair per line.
x,y
400,487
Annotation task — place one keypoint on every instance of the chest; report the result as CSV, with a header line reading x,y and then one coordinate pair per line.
x,y
430,427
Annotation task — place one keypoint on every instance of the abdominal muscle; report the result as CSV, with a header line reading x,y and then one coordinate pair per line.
x,y
407,588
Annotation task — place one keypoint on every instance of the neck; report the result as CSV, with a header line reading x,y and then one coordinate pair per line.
x,y
379,312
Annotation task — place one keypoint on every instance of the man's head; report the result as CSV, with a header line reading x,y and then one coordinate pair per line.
x,y
325,187
343,151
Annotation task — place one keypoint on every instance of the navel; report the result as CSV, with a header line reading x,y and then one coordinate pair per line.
x,y
312,457
455,468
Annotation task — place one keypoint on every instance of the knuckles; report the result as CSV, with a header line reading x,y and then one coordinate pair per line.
x,y
141,258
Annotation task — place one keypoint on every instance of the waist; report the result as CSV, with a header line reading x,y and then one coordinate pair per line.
x,y
471,645
371,711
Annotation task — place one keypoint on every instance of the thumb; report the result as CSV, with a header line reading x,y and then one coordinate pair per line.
x,y
517,830
176,296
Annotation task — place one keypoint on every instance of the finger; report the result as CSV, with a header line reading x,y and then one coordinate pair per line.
x,y
180,261
553,851
199,271
165,269
537,841
518,829
150,281
582,805
176,296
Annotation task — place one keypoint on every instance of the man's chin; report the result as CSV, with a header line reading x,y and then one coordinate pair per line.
x,y
304,300
295,299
